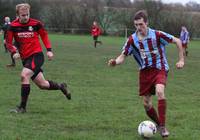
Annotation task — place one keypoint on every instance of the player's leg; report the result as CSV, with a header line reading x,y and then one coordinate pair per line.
x,y
186,50
100,42
95,41
4,43
146,81
42,83
150,111
162,105
25,90
12,62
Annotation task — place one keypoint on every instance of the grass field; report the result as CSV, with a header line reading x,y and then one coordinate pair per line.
x,y
105,104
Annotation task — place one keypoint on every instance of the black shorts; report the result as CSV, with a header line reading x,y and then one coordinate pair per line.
x,y
34,63
95,38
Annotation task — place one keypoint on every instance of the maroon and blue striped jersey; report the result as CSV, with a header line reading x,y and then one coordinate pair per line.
x,y
184,37
149,52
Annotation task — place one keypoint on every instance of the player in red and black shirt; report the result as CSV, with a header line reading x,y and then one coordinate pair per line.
x,y
96,31
26,32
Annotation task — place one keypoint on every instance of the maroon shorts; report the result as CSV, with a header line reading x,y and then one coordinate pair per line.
x,y
184,45
149,78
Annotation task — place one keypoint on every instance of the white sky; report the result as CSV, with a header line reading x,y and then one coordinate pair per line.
x,y
178,1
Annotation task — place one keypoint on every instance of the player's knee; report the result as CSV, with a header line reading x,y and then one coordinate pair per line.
x,y
160,95
24,77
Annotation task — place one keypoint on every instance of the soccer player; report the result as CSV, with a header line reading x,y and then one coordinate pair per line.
x,y
5,29
184,37
96,31
26,32
148,48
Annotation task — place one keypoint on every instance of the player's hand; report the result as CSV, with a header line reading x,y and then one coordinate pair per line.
x,y
50,55
179,64
16,56
112,62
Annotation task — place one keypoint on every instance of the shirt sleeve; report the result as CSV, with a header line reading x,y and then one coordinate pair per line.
x,y
44,36
128,47
9,39
165,38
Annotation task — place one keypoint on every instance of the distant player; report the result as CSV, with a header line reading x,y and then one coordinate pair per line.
x,y
5,28
26,32
184,37
148,48
96,31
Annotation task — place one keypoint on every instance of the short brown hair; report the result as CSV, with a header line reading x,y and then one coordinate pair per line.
x,y
22,5
141,14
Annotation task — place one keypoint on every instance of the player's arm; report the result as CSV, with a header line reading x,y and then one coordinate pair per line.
x,y
178,43
119,60
9,45
45,39
127,50
12,49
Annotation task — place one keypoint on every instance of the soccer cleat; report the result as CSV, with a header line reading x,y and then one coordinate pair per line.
x,y
18,110
163,131
63,88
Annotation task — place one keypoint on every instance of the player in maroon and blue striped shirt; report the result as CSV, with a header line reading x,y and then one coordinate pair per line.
x,y
26,32
185,38
148,49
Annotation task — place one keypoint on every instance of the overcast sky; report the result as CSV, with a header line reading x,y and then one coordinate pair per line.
x,y
179,1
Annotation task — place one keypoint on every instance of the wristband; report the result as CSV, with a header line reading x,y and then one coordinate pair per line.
x,y
49,49
113,63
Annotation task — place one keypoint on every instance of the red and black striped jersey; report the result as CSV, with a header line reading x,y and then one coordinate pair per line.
x,y
27,37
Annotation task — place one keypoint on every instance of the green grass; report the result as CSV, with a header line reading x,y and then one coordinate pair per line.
x,y
105,104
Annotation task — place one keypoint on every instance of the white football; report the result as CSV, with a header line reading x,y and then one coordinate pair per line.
x,y
147,129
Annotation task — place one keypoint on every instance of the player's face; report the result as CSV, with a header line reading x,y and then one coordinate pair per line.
x,y
7,19
24,15
141,26
94,23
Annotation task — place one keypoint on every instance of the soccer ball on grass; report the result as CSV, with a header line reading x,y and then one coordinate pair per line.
x,y
147,129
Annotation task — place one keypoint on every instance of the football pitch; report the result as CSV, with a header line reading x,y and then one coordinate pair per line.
x,y
105,104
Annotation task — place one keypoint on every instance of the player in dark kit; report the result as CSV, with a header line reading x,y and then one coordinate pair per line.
x,y
5,29
26,31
